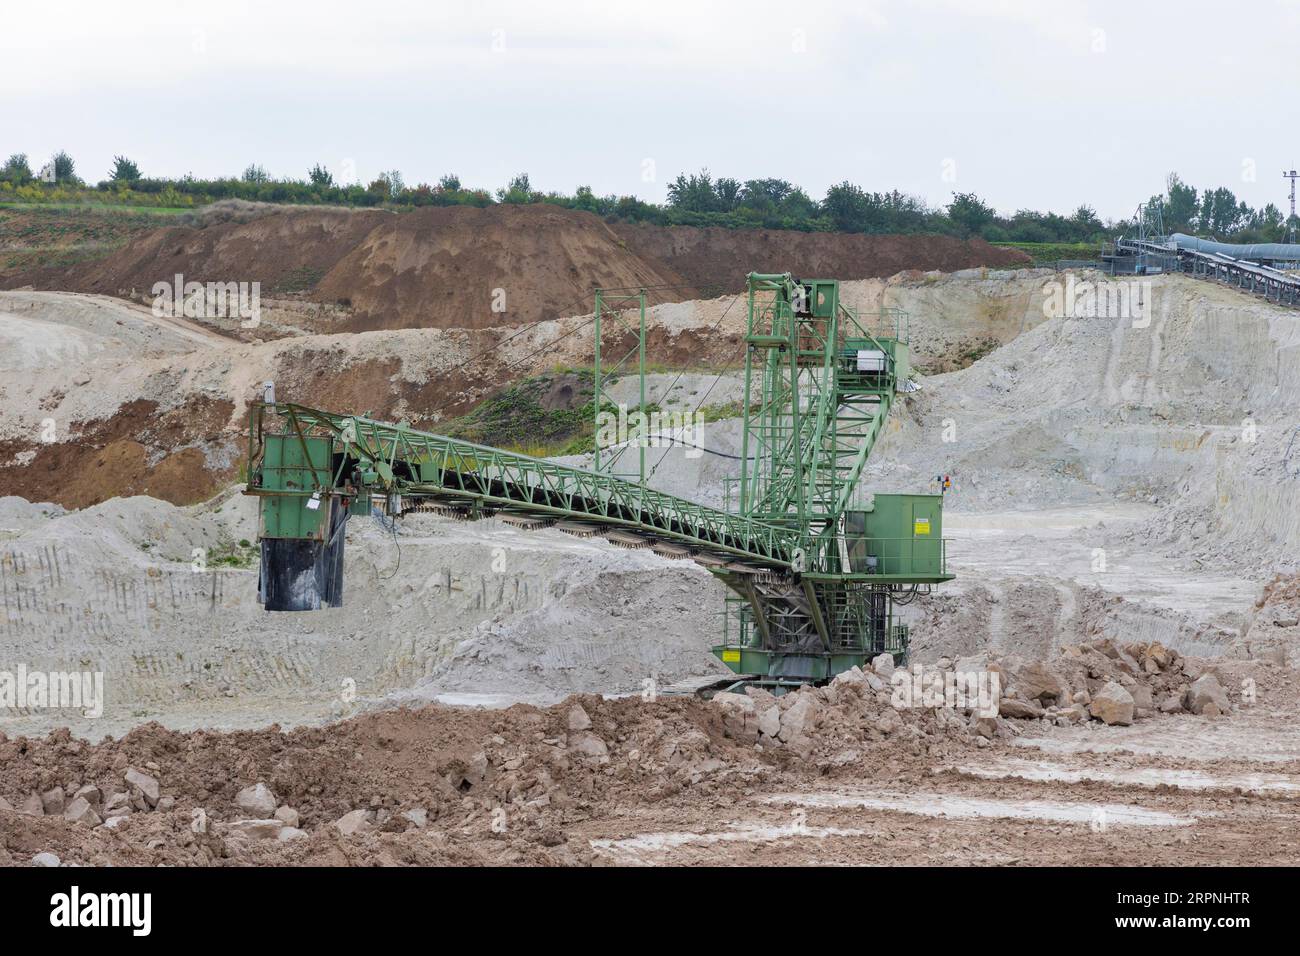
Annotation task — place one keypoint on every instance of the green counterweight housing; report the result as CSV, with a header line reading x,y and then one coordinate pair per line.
x,y
814,562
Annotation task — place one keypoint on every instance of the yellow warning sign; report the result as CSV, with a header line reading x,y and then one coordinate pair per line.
x,y
731,657
921,526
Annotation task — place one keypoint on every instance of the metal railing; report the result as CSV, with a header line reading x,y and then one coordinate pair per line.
x,y
897,558
887,322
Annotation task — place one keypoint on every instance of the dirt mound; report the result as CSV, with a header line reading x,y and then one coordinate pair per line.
x,y
455,267
434,785
466,267
35,237
452,769
283,251
141,449
474,268
706,257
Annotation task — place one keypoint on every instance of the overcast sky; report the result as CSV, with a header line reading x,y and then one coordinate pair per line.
x,y
1044,104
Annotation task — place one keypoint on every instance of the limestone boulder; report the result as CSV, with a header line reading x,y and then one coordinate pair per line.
x,y
358,821
1204,692
883,665
1112,705
1020,709
1037,681
257,801
147,784
799,719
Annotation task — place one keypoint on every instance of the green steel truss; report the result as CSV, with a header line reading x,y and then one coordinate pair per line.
x,y
369,458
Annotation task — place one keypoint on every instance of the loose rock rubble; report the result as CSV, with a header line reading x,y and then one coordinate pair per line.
x,y
454,785
1098,681
1117,684
84,802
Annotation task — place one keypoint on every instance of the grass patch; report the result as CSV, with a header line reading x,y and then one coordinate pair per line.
x,y
300,279
974,351
717,413
968,354
545,415
60,235
242,556
99,208
1049,253
552,415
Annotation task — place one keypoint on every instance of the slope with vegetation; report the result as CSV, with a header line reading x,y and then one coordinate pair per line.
x,y
698,199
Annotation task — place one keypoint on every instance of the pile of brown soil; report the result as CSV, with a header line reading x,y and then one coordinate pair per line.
x,y
476,268
491,786
279,250
524,785
713,255
464,267
140,450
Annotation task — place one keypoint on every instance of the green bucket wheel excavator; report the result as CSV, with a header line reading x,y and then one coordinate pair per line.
x,y
815,564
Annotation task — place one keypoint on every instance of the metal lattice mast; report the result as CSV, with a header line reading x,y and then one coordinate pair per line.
x,y
1290,232
808,429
